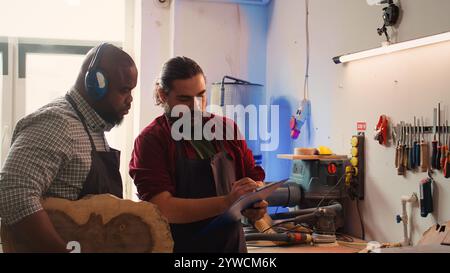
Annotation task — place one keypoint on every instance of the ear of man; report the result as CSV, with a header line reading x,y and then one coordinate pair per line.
x,y
162,95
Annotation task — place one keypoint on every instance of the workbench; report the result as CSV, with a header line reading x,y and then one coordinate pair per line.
x,y
269,247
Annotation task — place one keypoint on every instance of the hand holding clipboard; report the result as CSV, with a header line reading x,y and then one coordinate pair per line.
x,y
234,213
246,201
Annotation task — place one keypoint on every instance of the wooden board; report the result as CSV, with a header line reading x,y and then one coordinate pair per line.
x,y
104,223
446,240
435,235
312,157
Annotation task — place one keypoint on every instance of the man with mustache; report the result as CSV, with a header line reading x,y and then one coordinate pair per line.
x,y
194,180
60,150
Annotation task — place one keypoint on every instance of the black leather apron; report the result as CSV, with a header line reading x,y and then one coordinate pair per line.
x,y
104,175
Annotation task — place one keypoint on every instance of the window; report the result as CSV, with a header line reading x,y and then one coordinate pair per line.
x,y
2,137
4,96
63,19
43,83
47,41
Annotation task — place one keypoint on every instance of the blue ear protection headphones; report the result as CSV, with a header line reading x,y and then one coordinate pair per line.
x,y
95,81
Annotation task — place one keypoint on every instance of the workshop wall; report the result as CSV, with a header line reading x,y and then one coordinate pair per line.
x,y
399,85
332,28
152,47
224,38
267,45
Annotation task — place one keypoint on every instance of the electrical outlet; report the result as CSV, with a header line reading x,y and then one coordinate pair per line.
x,y
355,172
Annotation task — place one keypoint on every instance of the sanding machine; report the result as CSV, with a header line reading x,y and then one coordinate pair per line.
x,y
314,194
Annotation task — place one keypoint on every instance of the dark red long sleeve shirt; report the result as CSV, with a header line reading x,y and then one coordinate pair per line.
x,y
153,161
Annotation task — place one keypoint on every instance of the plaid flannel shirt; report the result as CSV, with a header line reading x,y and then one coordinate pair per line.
x,y
50,156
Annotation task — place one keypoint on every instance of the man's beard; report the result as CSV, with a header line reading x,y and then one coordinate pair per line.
x,y
167,109
112,118
194,114
196,120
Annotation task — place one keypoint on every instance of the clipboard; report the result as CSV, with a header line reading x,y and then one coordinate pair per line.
x,y
234,213
246,201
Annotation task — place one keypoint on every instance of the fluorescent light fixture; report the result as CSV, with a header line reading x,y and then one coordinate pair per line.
x,y
393,48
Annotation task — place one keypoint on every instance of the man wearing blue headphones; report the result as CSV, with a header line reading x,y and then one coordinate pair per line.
x,y
61,151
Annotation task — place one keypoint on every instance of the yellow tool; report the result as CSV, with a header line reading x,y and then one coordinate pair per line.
x,y
323,150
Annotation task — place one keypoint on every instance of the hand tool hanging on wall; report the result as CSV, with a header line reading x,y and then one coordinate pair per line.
x,y
424,151
434,143
405,149
410,149
398,135
439,145
426,196
416,144
401,151
444,146
447,158
413,152
381,130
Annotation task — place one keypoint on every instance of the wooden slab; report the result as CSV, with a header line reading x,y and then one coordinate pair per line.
x,y
312,157
104,223
446,240
436,235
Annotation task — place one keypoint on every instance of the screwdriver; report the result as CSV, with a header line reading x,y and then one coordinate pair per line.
x,y
447,161
411,162
439,147
397,149
419,162
444,146
401,151
405,150
416,144
412,155
408,150
424,151
411,149
434,142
